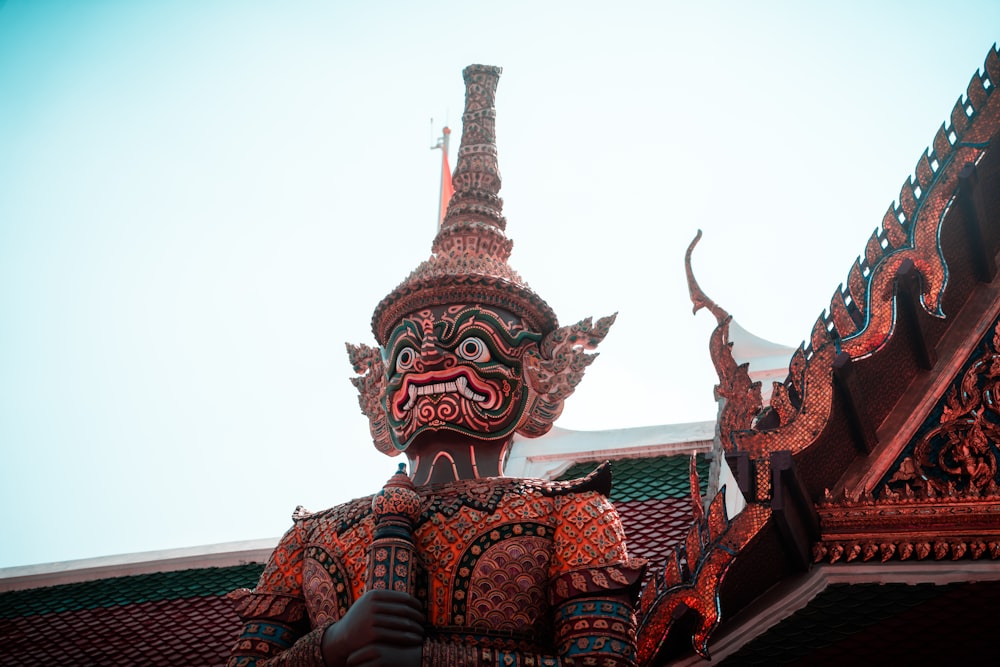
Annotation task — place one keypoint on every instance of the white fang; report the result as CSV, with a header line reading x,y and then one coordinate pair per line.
x,y
459,386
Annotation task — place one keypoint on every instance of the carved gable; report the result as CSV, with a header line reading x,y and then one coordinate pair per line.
x,y
955,451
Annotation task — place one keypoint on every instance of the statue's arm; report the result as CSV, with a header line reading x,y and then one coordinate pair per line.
x,y
272,636
276,630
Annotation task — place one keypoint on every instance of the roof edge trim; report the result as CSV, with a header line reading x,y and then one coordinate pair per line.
x,y
789,597
225,554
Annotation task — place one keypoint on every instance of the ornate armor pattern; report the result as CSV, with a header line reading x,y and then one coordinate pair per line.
x,y
515,572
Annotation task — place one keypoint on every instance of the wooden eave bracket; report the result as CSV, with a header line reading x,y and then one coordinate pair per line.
x,y
977,220
846,382
908,299
794,513
739,464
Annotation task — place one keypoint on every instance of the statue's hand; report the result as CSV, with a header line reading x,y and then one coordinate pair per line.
x,y
382,627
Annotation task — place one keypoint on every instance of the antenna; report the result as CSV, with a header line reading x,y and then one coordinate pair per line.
x,y
447,189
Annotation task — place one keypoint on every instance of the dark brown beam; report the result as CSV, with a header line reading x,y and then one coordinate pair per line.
x,y
739,464
792,508
977,217
908,301
846,382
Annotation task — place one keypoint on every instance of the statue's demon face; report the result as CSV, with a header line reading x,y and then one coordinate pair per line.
x,y
471,370
456,368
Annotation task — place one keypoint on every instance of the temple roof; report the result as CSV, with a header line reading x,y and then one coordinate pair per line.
x,y
161,618
870,530
876,461
864,615
163,607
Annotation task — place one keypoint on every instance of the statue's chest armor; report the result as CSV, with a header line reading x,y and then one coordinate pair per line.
x,y
488,573
485,563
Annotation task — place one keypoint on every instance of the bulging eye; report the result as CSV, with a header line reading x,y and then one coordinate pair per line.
x,y
473,349
405,359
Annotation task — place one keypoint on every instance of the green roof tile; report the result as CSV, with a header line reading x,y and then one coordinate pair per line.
x,y
118,591
653,478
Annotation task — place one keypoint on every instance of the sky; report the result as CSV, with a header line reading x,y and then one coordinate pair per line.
x,y
201,202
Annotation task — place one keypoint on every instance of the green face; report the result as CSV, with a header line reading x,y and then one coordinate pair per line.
x,y
456,368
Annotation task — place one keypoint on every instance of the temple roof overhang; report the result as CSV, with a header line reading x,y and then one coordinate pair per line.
x,y
877,453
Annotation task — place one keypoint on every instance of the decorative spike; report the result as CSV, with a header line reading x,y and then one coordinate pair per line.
x,y
697,509
977,548
958,550
942,147
976,93
672,572
853,551
873,251
923,550
797,369
868,551
940,550
894,231
905,550
841,317
836,551
692,544
887,549
819,335
992,67
856,283
907,200
924,172
717,521
782,404
649,593
959,119
819,552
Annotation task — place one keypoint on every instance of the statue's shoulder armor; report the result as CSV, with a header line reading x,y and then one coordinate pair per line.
x,y
599,480
341,517
488,495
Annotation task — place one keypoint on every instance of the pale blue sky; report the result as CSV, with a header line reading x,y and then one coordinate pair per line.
x,y
200,202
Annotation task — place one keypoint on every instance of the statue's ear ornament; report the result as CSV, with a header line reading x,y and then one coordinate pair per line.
x,y
369,365
557,366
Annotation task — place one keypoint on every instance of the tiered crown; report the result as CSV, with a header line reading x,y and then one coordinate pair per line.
x,y
468,264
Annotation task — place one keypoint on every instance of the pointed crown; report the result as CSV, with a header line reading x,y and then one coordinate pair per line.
x,y
468,262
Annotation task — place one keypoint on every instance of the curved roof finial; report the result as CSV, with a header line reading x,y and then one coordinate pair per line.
x,y
698,297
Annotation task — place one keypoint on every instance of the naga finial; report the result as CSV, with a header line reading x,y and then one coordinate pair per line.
x,y
739,396
698,297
